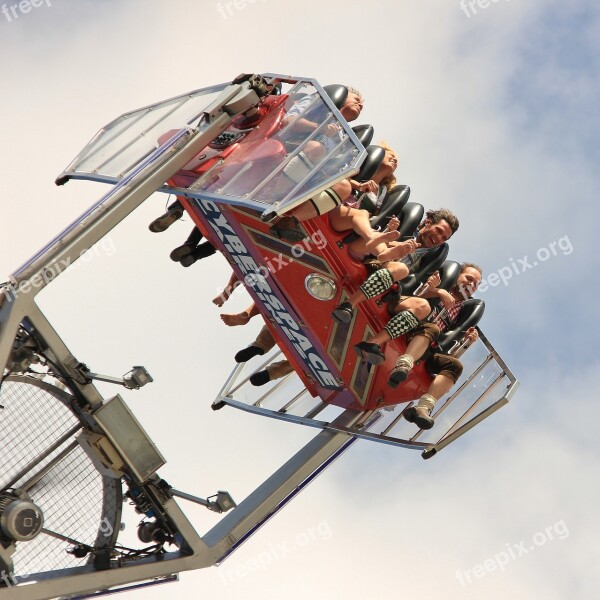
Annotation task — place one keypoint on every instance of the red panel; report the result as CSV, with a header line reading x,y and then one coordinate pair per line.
x,y
288,266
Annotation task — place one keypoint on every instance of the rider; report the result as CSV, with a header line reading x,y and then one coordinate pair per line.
x,y
446,368
438,226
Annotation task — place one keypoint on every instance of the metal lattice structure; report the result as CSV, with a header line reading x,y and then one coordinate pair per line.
x,y
42,457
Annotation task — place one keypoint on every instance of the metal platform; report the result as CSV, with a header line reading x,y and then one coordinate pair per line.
x,y
486,385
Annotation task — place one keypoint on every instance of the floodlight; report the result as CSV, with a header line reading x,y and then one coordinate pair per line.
x,y
223,502
134,380
137,378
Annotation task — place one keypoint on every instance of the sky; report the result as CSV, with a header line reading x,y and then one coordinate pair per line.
x,y
492,108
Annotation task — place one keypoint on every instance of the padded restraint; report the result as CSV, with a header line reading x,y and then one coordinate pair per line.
x,y
327,200
449,273
393,204
428,266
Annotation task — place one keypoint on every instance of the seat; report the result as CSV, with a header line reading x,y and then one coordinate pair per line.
x,y
409,285
338,94
409,214
392,205
364,133
374,158
470,314
429,265
449,272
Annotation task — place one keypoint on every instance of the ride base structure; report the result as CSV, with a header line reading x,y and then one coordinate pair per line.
x,y
230,155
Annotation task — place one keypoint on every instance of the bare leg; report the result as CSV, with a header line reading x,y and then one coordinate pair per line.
x,y
418,346
414,351
344,217
240,318
307,210
398,270
439,386
418,306
392,252
226,293
380,338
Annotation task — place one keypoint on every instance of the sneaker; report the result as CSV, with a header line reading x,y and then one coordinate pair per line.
x,y
202,251
370,353
178,253
288,229
343,312
419,416
165,221
400,371
260,378
247,353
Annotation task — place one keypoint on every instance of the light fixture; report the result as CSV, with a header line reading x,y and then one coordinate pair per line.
x,y
137,378
134,380
220,502
320,287
223,502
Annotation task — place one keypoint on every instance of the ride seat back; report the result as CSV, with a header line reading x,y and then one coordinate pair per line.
x,y
449,273
410,216
392,205
470,314
338,94
429,265
375,156
364,133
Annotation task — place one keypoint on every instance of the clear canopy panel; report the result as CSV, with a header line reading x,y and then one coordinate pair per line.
x,y
122,144
294,146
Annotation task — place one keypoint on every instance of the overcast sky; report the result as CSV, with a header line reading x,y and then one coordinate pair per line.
x,y
494,113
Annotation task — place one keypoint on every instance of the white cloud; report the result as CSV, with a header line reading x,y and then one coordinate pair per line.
x,y
437,88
